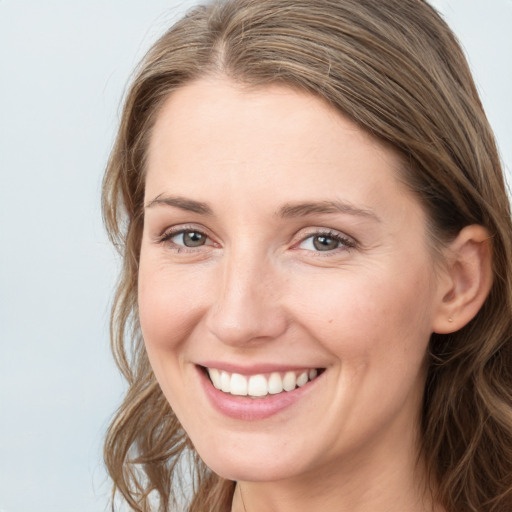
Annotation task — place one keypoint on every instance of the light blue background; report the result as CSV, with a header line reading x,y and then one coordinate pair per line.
x,y
63,69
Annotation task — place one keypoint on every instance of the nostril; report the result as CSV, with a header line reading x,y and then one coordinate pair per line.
x,y
250,326
246,308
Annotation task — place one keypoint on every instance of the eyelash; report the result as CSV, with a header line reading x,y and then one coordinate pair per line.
x,y
171,233
346,243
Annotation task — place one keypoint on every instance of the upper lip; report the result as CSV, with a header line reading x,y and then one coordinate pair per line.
x,y
254,369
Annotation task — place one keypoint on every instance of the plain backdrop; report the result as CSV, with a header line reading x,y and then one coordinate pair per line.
x,y
64,66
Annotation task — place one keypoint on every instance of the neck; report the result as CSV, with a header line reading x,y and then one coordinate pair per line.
x,y
252,497
385,484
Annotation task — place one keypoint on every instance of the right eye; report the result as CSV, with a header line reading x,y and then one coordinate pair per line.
x,y
189,238
181,238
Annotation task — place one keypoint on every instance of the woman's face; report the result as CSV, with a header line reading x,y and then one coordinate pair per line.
x,y
281,249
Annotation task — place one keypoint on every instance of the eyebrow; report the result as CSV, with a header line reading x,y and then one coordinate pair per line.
x,y
322,207
289,210
183,203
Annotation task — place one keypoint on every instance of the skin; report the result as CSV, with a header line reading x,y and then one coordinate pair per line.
x,y
258,292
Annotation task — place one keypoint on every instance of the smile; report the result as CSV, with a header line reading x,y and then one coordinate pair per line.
x,y
260,385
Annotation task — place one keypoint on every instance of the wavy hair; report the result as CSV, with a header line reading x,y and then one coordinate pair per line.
x,y
396,69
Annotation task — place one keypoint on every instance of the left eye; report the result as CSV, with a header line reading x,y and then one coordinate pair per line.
x,y
189,239
324,242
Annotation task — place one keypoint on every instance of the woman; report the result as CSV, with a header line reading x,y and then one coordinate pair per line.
x,y
314,311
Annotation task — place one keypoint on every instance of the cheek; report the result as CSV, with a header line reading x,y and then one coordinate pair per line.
x,y
168,311
378,332
169,305
368,316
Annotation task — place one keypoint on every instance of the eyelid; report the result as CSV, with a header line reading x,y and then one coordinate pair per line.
x,y
347,241
171,232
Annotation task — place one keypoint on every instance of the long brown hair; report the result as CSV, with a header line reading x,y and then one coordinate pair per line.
x,y
394,68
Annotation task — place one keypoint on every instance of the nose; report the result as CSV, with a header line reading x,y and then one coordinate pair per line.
x,y
247,307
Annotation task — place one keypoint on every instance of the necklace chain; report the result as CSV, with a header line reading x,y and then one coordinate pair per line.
x,y
242,497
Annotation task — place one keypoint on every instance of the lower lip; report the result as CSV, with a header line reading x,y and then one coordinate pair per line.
x,y
251,409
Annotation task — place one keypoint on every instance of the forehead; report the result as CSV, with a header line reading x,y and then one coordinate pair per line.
x,y
215,130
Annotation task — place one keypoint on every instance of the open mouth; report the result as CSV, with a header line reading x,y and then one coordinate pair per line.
x,y
260,385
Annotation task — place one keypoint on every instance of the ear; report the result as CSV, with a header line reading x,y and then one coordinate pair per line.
x,y
465,281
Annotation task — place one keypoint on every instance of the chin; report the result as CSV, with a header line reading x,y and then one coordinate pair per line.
x,y
256,459
252,470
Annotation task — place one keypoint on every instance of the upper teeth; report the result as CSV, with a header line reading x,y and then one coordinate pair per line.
x,y
260,384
